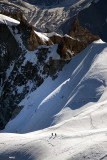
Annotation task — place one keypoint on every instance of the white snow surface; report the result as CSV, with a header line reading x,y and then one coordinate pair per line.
x,y
52,34
42,36
74,106
8,21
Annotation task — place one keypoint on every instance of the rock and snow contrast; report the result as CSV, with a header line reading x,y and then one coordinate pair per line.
x,y
53,93
74,106
8,21
46,14
57,15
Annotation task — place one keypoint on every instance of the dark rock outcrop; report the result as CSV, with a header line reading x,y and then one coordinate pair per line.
x,y
56,39
92,17
16,14
64,44
9,51
9,48
56,65
30,39
83,35
78,40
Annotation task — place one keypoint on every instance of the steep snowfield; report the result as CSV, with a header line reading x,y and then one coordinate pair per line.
x,y
74,106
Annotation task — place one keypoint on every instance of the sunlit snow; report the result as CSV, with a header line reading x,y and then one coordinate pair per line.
x,y
74,106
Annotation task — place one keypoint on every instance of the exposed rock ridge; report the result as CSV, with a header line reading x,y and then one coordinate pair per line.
x,y
30,39
23,71
78,40
82,34
9,51
9,48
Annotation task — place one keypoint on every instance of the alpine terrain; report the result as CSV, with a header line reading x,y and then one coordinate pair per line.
x,y
53,80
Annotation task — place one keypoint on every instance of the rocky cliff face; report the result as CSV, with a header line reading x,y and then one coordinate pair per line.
x,y
82,37
21,65
9,52
93,17
30,39
9,48
79,38
81,34
46,17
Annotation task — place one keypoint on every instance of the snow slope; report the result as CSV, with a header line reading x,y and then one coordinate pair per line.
x,y
74,106
41,145
43,37
8,21
75,87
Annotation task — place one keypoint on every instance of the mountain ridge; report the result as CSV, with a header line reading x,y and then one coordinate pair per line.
x,y
34,57
58,100
53,90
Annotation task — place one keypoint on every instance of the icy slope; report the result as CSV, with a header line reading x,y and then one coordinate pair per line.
x,y
80,84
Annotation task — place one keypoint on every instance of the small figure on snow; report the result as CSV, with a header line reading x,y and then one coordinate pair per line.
x,y
52,134
55,135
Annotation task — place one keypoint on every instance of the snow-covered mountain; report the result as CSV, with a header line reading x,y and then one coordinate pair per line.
x,y
22,66
73,106
58,15
47,87
45,17
93,17
28,57
82,81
